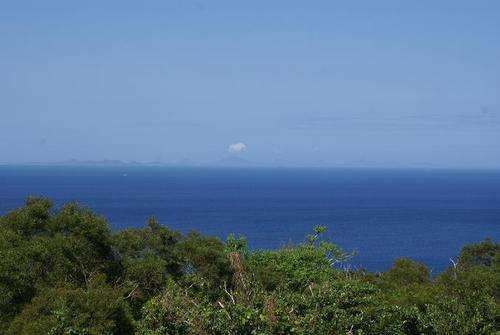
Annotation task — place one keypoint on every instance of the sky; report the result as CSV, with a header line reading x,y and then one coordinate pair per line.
x,y
299,83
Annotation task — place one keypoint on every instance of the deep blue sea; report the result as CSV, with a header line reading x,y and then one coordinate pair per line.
x,y
427,215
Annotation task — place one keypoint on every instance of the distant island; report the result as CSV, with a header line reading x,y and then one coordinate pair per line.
x,y
230,161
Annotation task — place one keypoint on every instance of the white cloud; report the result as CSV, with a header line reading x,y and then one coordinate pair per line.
x,y
237,148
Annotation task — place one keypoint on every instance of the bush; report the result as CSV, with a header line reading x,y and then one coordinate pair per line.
x,y
64,272
98,309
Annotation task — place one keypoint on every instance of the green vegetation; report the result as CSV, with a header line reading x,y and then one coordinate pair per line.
x,y
64,272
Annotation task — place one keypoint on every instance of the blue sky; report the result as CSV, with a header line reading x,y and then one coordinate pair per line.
x,y
379,83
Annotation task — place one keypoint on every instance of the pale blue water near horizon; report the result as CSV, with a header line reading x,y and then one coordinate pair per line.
x,y
427,215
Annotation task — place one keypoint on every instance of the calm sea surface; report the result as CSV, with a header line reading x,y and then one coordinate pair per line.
x,y
382,214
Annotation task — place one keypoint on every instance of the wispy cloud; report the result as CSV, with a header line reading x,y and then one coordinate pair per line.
x,y
484,118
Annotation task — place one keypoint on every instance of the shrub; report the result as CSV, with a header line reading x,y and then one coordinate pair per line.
x,y
64,272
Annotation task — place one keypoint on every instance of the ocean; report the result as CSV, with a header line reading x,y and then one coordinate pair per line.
x,y
381,214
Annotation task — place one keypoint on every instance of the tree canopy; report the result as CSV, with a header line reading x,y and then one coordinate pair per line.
x,y
63,271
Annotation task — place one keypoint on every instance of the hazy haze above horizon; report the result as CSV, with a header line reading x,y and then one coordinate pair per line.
x,y
385,83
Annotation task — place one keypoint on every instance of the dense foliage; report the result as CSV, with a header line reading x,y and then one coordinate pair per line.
x,y
64,272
